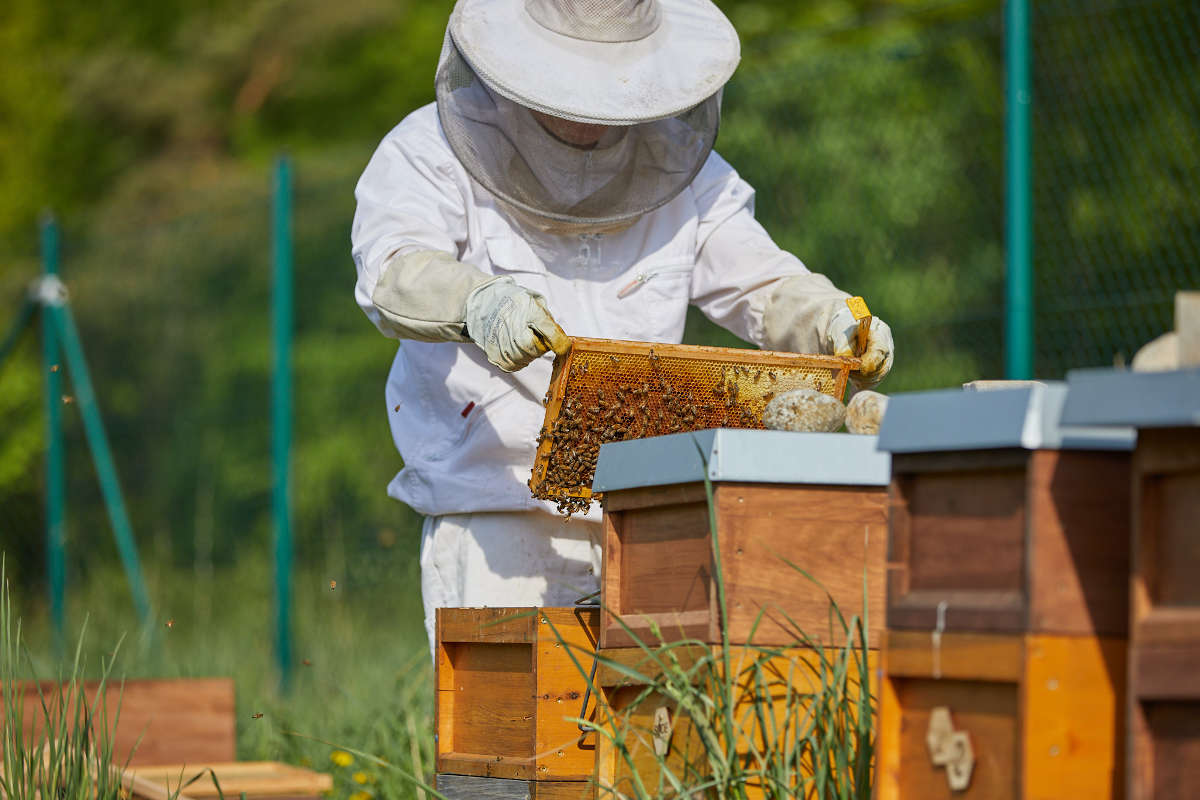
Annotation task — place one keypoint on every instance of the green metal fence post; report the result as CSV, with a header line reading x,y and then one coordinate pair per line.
x,y
281,415
56,476
106,470
1018,317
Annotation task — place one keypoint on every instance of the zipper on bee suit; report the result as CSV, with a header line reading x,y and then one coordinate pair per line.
x,y
647,276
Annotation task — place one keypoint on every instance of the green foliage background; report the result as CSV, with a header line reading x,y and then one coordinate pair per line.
x,y
872,129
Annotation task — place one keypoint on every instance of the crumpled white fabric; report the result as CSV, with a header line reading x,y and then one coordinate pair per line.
x,y
507,559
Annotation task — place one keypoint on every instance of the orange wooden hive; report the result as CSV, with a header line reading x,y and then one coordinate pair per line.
x,y
604,390
1005,656
507,688
1164,661
783,502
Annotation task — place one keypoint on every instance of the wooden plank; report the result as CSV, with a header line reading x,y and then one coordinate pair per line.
x,y
463,787
967,530
1174,730
1177,551
888,738
481,766
649,496
508,625
837,534
257,779
993,612
176,720
560,748
657,569
1074,717
1167,670
492,730
1080,517
722,355
959,655
911,464
988,713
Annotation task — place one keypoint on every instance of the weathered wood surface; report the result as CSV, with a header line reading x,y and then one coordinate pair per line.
x,y
659,572
502,706
1010,542
178,720
258,780
466,787
1164,674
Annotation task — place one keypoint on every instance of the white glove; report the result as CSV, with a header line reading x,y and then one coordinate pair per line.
x,y
876,356
512,325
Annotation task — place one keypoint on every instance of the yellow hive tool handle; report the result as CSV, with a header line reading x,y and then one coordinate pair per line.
x,y
858,307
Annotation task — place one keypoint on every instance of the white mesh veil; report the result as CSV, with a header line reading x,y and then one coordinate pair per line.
x,y
631,170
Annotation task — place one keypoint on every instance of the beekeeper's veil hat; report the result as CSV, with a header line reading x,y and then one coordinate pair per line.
x,y
650,69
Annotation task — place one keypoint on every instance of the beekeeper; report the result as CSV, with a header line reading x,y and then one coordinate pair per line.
x,y
564,183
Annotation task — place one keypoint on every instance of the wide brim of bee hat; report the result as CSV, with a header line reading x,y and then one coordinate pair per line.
x,y
687,58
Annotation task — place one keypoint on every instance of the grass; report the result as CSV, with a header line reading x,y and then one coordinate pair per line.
x,y
363,677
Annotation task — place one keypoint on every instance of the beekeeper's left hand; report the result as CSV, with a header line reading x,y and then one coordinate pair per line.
x,y
840,336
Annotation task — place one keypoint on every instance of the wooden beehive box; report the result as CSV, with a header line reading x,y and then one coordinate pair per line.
x,y
647,719
1164,663
151,721
252,780
1007,610
1002,517
1025,716
506,688
782,502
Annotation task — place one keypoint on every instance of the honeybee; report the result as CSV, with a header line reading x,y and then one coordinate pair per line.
x,y
332,585
257,715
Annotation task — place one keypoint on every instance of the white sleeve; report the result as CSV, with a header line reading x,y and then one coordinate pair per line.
x,y
409,199
745,282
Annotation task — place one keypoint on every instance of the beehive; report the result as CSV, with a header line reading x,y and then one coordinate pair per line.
x,y
1023,717
506,688
780,684
1164,682
1003,519
783,502
1004,660
605,390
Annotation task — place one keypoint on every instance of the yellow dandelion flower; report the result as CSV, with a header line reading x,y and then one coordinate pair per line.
x,y
341,758
361,796
361,777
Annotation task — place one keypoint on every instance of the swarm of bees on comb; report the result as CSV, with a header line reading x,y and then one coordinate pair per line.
x,y
609,397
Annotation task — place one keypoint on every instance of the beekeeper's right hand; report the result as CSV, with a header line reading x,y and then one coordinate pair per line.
x,y
433,297
512,325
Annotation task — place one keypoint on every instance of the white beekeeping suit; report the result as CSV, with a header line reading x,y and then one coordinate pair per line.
x,y
564,177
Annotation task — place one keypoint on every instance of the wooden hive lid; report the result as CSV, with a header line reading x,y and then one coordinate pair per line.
x,y
742,456
1139,399
1029,417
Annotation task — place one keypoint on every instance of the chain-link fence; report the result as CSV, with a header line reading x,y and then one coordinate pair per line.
x,y
878,154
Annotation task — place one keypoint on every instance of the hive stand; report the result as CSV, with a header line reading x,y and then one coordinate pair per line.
x,y
1164,661
783,502
507,689
1004,660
